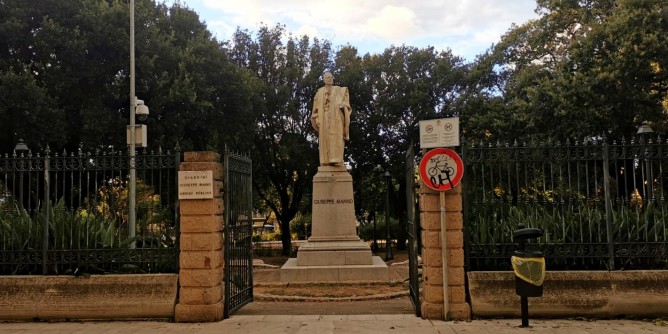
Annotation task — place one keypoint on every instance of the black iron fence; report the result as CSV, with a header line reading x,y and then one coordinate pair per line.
x,y
67,213
601,206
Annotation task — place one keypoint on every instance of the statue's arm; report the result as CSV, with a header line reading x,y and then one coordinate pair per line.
x,y
315,122
346,110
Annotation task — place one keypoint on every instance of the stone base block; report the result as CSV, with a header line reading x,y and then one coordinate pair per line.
x,y
377,271
432,311
86,298
198,313
461,312
334,253
599,294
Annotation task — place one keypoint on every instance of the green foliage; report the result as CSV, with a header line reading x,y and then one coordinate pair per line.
x,y
366,232
301,227
583,69
17,229
81,230
67,229
82,47
111,200
271,236
76,230
568,224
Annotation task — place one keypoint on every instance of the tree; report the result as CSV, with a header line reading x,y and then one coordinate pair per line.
x,y
284,151
72,59
67,54
398,89
584,69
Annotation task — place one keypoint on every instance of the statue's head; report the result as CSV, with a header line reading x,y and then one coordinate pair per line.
x,y
328,78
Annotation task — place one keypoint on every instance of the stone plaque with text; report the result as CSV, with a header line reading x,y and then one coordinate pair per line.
x,y
195,184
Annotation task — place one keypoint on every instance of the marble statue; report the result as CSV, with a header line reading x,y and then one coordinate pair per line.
x,y
331,120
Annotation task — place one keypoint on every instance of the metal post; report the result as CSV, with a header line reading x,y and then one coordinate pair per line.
x,y
378,168
608,208
649,192
388,239
132,187
375,242
444,254
524,301
47,203
177,205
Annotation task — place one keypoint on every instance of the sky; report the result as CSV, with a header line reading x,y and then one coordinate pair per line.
x,y
467,27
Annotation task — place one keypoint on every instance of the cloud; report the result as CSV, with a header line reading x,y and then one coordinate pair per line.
x,y
392,23
468,24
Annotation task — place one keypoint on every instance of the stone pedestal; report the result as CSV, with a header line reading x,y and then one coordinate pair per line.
x,y
334,252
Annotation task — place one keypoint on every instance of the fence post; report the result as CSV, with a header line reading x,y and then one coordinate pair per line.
x,y
608,207
177,215
466,211
47,204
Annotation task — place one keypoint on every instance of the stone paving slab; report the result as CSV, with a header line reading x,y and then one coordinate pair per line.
x,y
339,324
384,306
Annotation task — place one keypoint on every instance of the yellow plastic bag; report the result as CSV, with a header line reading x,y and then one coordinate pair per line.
x,y
529,269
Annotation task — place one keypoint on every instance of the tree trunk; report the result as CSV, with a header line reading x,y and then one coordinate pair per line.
x,y
402,233
286,239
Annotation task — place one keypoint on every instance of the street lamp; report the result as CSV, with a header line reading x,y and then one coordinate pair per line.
x,y
388,240
136,134
644,131
374,246
132,187
21,150
21,147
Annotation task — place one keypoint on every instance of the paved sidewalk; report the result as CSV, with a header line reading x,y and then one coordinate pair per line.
x,y
338,324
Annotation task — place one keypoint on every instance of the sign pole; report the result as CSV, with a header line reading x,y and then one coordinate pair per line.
x,y
444,256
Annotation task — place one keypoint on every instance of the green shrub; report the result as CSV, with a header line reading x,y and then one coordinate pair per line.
x,y
570,224
366,232
300,227
271,236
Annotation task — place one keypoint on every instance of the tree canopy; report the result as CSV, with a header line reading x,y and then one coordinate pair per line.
x,y
585,69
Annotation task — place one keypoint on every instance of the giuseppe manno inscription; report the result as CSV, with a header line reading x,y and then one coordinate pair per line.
x,y
333,201
195,184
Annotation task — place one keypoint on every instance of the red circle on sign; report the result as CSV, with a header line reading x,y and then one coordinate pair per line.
x,y
441,169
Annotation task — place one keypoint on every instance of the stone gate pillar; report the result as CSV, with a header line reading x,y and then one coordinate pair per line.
x,y
201,289
432,256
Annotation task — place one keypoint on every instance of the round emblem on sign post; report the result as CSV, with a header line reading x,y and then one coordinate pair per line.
x,y
441,169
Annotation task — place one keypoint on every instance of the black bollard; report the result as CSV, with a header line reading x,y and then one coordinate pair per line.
x,y
523,288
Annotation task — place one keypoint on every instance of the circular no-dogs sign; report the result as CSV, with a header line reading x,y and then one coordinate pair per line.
x,y
441,169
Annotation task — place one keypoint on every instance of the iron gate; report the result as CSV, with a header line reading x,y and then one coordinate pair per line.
x,y
238,232
414,284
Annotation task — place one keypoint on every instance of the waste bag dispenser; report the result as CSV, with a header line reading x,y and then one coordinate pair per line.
x,y
529,268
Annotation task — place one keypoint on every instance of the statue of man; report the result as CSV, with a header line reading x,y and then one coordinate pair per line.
x,y
331,120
